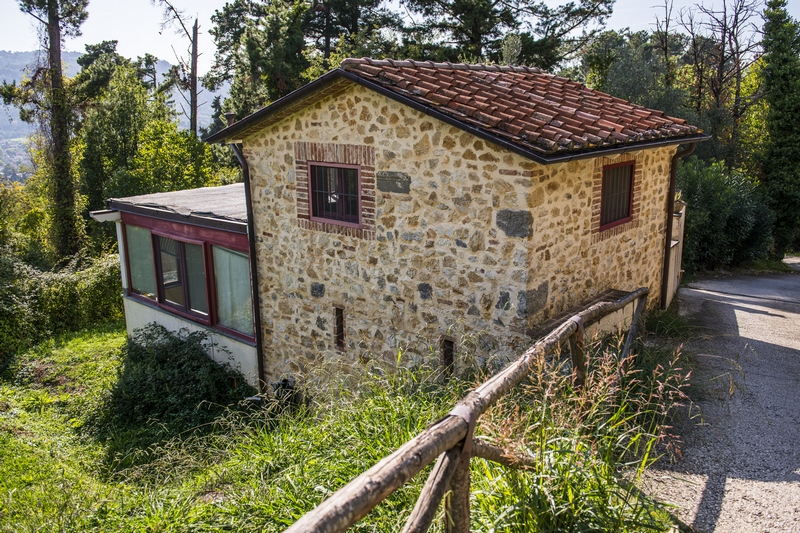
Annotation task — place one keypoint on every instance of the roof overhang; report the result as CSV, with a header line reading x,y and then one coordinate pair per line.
x,y
173,216
337,80
106,215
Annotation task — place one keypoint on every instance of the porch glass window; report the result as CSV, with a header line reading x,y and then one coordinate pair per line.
x,y
195,276
140,253
182,280
616,195
335,194
232,282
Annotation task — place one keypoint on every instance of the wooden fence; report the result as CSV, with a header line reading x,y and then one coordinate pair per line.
x,y
450,442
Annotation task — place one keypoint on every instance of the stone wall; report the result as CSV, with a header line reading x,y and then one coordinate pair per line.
x,y
462,239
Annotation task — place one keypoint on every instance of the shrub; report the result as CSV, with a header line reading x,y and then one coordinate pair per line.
x,y
36,304
15,313
167,381
727,222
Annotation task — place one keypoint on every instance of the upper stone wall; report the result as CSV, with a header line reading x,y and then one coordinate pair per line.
x,y
461,239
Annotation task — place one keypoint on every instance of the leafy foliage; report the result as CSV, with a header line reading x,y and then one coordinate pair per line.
x,y
727,223
166,160
630,65
36,304
166,385
781,160
111,132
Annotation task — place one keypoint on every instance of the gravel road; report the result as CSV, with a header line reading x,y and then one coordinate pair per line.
x,y
740,471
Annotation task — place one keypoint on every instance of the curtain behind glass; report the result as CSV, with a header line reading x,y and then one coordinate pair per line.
x,y
196,279
140,260
232,281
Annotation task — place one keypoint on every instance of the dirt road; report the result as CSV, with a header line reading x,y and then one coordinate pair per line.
x,y
740,471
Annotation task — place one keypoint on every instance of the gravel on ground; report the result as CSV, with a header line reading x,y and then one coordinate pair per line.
x,y
740,465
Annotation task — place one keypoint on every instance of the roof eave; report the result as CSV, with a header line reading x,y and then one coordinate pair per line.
x,y
224,224
231,132
236,129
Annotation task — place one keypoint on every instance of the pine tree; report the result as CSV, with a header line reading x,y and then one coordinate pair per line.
x,y
45,98
781,160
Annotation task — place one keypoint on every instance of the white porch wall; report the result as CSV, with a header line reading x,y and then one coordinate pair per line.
x,y
242,355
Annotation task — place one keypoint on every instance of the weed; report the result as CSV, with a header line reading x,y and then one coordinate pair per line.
x,y
669,324
259,468
585,444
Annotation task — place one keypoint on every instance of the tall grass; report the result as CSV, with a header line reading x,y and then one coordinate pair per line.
x,y
590,445
259,468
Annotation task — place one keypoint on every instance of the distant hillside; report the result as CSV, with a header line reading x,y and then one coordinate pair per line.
x,y
14,65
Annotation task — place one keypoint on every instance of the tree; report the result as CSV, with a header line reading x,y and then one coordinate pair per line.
x,y
98,65
475,27
557,33
45,97
166,159
185,80
259,50
633,66
781,161
724,45
548,34
111,132
330,21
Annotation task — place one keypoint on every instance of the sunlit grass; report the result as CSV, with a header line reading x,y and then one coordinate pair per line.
x,y
261,468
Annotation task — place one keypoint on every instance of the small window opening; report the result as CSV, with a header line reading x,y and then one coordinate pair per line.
x,y
338,327
448,356
616,203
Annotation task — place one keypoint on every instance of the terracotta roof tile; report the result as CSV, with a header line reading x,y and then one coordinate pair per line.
x,y
540,114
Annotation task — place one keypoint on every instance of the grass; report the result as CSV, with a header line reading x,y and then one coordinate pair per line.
x,y
668,324
767,265
261,468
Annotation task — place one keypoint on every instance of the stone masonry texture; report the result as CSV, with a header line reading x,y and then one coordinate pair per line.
x,y
484,245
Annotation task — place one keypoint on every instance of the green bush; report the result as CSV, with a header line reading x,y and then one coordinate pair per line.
x,y
36,304
168,379
727,222
16,326
166,388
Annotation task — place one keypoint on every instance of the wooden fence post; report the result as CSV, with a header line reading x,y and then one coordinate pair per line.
x,y
457,512
457,515
428,502
577,353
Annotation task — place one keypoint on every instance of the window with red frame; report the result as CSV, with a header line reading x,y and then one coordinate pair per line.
x,y
181,275
198,280
617,195
334,194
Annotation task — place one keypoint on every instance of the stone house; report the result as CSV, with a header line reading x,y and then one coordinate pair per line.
x,y
436,208
401,205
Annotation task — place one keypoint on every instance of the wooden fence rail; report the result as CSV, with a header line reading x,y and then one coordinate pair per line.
x,y
449,441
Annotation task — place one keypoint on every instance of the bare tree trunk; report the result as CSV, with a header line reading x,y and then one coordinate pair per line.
x,y
66,236
663,35
193,83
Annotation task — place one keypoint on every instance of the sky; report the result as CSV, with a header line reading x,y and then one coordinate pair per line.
x,y
136,24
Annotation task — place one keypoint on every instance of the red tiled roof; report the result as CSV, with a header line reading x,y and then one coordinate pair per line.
x,y
524,106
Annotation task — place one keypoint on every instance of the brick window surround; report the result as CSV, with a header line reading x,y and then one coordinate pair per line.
x,y
307,154
603,232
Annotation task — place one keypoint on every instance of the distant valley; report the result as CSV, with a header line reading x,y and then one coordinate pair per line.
x,y
14,158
